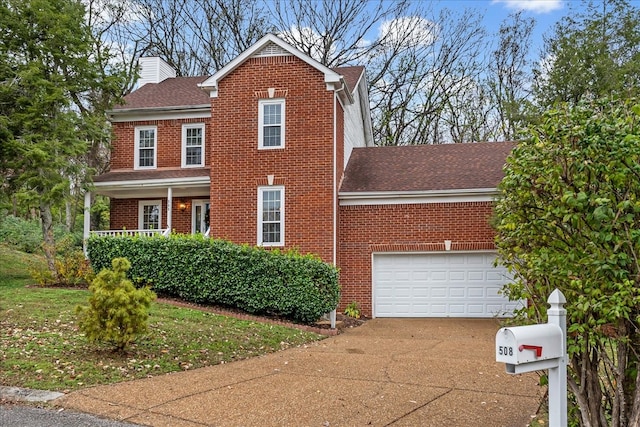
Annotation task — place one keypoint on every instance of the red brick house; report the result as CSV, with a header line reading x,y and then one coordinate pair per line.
x,y
276,150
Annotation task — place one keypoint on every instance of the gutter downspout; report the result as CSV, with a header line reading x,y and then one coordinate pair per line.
x,y
332,315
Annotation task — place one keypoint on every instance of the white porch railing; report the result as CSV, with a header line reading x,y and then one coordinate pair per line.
x,y
113,233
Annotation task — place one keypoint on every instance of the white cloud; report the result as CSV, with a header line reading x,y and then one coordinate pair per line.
x,y
408,31
307,37
537,6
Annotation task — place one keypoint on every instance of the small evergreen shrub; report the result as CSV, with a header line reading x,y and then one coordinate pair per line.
x,y
118,312
299,287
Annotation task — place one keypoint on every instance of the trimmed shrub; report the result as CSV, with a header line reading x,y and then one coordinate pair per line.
x,y
259,281
118,312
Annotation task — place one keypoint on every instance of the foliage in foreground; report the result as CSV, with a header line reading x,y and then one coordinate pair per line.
x,y
41,347
118,312
569,218
298,287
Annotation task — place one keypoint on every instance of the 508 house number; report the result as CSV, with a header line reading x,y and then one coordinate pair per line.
x,y
505,351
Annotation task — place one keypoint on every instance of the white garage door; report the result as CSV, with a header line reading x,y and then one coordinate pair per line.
x,y
439,285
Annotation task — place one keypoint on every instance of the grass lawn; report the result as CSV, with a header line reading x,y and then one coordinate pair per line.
x,y
42,348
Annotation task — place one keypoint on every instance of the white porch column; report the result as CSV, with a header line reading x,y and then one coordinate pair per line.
x,y
169,205
87,221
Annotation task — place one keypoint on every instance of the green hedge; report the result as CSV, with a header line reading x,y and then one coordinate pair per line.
x,y
298,287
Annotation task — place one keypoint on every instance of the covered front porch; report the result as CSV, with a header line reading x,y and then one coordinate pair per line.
x,y
153,202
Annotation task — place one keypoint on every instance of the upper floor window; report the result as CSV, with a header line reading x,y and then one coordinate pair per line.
x,y
145,156
192,145
271,216
271,123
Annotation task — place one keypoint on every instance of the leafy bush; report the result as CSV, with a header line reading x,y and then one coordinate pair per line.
x,y
118,312
71,267
298,287
352,310
26,235
21,234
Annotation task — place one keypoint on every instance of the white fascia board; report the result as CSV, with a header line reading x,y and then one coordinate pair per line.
x,y
362,86
211,84
154,183
417,197
340,87
160,113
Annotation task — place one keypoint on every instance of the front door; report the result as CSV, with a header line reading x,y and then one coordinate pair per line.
x,y
200,220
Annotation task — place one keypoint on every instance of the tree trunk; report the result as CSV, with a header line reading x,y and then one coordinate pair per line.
x,y
47,236
68,216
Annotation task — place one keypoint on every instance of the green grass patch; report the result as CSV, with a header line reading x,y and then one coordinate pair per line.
x,y
41,346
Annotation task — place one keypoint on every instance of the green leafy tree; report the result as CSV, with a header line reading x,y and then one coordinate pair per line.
x,y
592,54
51,78
118,312
568,217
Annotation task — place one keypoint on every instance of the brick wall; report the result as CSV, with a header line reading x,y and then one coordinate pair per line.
x,y
168,139
403,228
304,167
124,214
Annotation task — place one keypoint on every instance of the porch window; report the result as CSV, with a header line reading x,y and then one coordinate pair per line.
x,y
150,215
200,216
271,123
145,151
192,145
271,216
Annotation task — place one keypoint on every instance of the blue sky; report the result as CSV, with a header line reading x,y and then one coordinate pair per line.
x,y
545,12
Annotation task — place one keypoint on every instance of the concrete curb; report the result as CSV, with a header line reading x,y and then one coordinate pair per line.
x,y
28,395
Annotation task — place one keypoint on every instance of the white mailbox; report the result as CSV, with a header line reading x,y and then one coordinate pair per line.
x,y
529,348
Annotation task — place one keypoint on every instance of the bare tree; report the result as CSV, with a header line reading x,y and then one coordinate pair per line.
x,y
336,32
198,37
415,86
510,77
427,71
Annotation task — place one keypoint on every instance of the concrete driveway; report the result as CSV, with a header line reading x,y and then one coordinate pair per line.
x,y
388,372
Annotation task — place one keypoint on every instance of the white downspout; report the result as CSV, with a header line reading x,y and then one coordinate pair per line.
x,y
332,315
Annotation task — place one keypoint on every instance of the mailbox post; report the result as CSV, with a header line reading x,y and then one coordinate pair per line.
x,y
537,347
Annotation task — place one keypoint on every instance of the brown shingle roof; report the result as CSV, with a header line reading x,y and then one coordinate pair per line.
x,y
172,92
351,75
426,167
131,175
184,91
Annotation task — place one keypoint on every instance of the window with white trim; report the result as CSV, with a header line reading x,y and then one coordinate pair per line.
x,y
145,156
192,145
271,216
149,214
271,123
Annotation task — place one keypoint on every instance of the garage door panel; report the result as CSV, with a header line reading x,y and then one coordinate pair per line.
x,y
476,276
456,293
476,293
438,292
476,309
421,292
438,276
439,285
